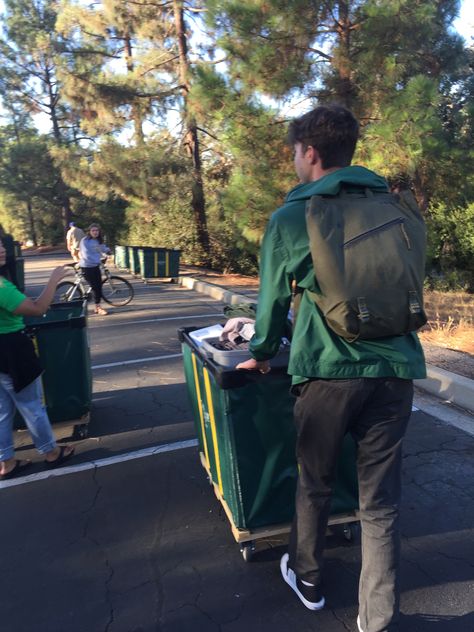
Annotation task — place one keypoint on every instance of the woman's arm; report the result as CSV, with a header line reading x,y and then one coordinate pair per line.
x,y
39,306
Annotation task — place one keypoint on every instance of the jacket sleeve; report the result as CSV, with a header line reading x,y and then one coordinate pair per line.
x,y
274,297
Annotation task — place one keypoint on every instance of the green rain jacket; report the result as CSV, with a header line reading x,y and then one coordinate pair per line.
x,y
316,351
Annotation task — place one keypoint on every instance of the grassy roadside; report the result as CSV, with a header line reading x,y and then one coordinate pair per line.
x,y
450,314
450,320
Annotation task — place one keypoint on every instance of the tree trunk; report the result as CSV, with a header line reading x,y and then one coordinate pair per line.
x,y
420,192
136,113
62,189
31,221
345,91
191,139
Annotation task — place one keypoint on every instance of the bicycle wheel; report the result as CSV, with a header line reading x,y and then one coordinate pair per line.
x,y
67,291
117,291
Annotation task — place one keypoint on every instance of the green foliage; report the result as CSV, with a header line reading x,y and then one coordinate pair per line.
x,y
153,137
451,236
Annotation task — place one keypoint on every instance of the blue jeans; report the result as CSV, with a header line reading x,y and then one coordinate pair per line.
x,y
29,404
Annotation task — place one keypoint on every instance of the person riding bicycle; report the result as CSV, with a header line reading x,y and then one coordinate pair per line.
x,y
91,252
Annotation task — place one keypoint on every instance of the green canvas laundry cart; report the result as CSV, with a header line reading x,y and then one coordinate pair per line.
x,y
121,258
157,263
61,342
246,436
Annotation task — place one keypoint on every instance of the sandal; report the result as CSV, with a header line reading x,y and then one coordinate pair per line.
x,y
100,311
59,460
16,470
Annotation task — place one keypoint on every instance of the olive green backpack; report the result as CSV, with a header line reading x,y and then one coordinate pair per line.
x,y
368,252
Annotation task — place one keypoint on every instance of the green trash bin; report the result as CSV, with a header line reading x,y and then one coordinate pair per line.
x,y
246,436
133,259
156,263
20,273
14,271
61,341
9,245
121,257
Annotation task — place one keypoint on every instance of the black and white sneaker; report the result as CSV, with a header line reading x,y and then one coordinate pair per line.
x,y
310,595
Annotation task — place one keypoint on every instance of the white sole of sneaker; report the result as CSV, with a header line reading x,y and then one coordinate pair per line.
x,y
290,578
358,624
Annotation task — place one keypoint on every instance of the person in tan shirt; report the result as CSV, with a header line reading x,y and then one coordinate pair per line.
x,y
73,240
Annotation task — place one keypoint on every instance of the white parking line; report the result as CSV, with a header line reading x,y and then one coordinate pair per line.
x,y
136,361
90,465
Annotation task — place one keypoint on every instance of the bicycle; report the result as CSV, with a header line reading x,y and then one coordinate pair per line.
x,y
116,290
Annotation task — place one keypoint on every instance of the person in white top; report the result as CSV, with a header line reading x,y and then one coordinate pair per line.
x,y
91,251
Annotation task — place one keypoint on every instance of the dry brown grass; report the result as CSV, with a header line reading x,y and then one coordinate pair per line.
x,y
450,320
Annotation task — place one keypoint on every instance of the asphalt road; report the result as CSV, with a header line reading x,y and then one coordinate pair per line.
x,y
130,537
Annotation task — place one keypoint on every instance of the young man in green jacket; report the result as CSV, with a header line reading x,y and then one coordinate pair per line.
x,y
363,387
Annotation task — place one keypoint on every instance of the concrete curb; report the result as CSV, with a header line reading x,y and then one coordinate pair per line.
x,y
457,389
450,387
216,291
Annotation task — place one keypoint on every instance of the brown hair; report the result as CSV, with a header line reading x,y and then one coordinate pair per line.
x,y
99,237
331,129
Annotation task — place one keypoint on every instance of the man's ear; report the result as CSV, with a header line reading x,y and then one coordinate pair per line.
x,y
313,155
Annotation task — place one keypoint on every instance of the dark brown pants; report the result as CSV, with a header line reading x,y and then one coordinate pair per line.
x,y
376,412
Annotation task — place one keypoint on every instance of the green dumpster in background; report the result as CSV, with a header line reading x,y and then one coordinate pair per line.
x,y
158,263
60,339
244,424
121,258
133,260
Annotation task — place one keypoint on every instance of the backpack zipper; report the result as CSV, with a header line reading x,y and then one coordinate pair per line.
x,y
377,229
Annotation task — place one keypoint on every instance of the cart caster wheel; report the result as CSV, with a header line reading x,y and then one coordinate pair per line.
x,y
350,531
81,431
247,549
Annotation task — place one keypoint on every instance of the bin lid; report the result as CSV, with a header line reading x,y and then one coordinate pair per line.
x,y
71,314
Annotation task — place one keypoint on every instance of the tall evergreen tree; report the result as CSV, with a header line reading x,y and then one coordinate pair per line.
x,y
29,52
388,61
130,61
28,177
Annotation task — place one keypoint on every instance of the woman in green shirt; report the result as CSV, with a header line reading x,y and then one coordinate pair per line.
x,y
20,384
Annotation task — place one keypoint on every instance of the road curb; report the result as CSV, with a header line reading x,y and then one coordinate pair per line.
x,y
457,389
450,387
216,291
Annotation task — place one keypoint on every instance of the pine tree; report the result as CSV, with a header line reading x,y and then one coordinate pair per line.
x,y
392,62
129,61
29,53
27,179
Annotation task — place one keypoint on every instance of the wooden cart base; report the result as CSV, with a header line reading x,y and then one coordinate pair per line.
x,y
75,428
246,537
